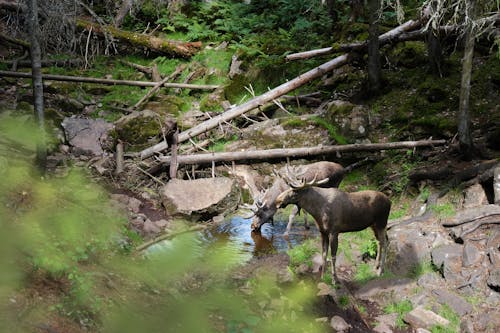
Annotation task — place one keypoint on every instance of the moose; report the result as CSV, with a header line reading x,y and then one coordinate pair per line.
x,y
264,206
335,212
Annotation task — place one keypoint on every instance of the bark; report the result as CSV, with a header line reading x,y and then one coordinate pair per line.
x,y
471,219
36,70
16,41
388,37
45,63
123,11
108,81
156,44
374,68
435,52
285,153
464,132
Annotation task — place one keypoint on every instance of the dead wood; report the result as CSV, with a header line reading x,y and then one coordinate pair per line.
x,y
107,81
5,38
156,44
458,233
157,87
471,174
46,63
283,153
268,96
169,235
472,214
390,36
141,68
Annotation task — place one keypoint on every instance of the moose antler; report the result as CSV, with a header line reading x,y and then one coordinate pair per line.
x,y
291,177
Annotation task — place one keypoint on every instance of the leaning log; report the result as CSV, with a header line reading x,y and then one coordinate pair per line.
x,y
358,46
282,153
160,45
268,96
108,81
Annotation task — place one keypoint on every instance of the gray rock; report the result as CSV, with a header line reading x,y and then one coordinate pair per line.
x,y
466,326
149,228
496,184
200,198
134,205
382,328
471,255
86,136
475,196
339,324
494,280
399,287
443,253
387,321
455,302
422,318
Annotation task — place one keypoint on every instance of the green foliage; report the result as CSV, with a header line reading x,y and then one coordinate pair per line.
x,y
420,269
63,231
364,273
344,301
332,130
443,210
401,308
303,253
446,312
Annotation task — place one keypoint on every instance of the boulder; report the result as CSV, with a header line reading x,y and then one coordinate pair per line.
x,y
422,318
201,198
475,196
86,136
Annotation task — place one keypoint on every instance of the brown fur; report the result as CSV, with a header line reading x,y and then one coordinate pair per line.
x,y
337,212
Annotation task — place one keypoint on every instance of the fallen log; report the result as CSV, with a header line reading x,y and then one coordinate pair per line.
x,y
160,45
282,153
268,96
108,81
46,63
396,34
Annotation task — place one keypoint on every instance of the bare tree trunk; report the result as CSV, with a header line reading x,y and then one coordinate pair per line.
x,y
123,11
36,70
435,52
464,132
374,69
434,47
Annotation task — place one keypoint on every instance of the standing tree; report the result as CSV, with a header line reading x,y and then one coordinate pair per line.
x,y
374,67
470,16
36,70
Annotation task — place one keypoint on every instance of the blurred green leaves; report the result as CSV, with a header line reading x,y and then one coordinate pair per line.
x,y
61,238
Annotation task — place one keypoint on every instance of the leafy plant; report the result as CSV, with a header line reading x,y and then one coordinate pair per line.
x,y
401,308
303,253
446,312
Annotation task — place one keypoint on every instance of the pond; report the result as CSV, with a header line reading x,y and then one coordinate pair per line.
x,y
237,231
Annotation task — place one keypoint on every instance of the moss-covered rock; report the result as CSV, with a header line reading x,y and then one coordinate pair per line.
x,y
139,129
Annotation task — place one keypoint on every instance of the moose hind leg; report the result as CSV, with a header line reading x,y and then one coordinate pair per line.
x,y
324,252
381,235
334,244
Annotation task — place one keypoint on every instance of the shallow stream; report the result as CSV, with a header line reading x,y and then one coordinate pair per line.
x,y
237,231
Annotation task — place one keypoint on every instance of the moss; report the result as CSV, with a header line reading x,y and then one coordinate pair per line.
x,y
332,130
409,54
294,122
235,91
138,129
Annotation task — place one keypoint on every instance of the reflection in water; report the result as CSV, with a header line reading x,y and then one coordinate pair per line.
x,y
237,231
